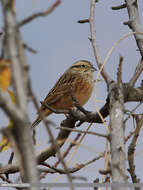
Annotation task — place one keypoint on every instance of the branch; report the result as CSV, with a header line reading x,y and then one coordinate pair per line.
x,y
69,148
30,49
10,109
83,21
60,157
12,42
87,132
94,44
119,73
39,14
117,145
137,73
77,168
131,151
48,152
134,95
134,22
119,7
20,133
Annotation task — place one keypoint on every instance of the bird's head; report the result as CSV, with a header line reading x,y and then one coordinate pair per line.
x,y
83,67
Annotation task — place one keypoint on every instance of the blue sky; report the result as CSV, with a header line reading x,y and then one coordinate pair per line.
x,y
60,41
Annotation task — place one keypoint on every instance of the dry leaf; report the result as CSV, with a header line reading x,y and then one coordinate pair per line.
x,y
12,96
4,143
5,74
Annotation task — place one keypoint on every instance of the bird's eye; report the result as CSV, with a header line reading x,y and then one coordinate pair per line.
x,y
83,66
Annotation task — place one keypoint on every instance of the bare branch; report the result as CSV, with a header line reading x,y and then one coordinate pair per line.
x,y
132,112
119,73
83,21
94,43
117,134
10,109
14,51
39,14
137,73
135,23
5,179
57,148
69,148
75,169
134,95
119,7
29,48
131,151
3,49
20,133
87,132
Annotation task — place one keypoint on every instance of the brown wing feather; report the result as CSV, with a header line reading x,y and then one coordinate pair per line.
x,y
60,89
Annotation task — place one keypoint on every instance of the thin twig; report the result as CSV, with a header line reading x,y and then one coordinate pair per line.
x,y
27,47
119,7
86,132
130,135
83,21
60,157
39,14
69,148
119,73
3,47
74,169
132,112
5,179
135,23
137,73
11,158
94,43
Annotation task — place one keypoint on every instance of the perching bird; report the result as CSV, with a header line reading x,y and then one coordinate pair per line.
x,y
79,78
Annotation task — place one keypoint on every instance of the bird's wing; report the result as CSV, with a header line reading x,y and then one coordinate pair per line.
x,y
61,88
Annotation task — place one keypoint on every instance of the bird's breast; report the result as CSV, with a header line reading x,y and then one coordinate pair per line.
x,y
83,90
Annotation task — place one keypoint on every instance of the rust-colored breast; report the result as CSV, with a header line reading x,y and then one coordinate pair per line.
x,y
83,90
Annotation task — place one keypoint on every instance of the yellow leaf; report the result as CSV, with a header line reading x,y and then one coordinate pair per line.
x,y
5,74
12,96
4,143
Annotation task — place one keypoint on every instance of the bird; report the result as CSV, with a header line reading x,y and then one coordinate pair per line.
x,y
78,77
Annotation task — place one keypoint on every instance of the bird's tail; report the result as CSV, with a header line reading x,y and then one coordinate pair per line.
x,y
39,119
36,122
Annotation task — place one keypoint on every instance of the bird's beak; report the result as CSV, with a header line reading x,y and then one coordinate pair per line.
x,y
94,69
